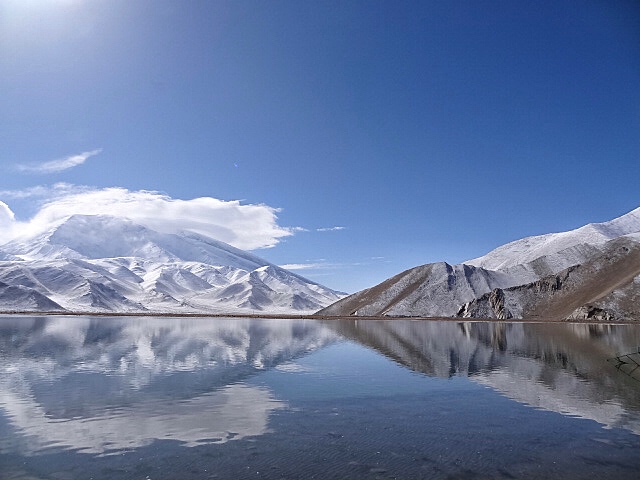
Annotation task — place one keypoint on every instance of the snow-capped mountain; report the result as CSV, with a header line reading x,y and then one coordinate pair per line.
x,y
590,272
557,251
105,263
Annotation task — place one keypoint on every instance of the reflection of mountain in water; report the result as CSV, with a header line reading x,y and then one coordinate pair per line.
x,y
102,385
557,367
135,380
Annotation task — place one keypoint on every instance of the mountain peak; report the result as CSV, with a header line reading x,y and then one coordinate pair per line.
x,y
130,267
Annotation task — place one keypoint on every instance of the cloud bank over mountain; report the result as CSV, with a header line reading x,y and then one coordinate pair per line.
x,y
6,216
244,226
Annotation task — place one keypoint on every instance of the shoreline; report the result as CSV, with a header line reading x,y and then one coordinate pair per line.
x,y
283,316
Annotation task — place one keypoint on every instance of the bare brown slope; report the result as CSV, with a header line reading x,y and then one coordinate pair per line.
x,y
615,268
575,292
625,299
382,296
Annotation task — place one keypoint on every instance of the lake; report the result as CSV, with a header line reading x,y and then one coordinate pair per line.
x,y
198,398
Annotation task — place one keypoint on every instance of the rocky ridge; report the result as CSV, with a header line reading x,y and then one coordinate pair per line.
x,y
589,273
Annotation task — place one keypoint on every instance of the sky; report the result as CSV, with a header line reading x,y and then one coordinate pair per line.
x,y
347,140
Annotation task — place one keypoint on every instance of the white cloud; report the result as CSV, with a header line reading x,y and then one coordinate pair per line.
x,y
303,266
49,191
330,229
7,218
247,227
55,166
320,264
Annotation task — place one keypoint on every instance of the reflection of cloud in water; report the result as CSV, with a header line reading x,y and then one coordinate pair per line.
x,y
233,412
103,384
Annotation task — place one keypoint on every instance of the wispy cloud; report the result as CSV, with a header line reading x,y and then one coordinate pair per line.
x,y
245,226
330,229
59,165
43,191
319,264
322,264
304,266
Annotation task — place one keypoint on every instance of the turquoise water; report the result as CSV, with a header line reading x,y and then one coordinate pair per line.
x,y
163,398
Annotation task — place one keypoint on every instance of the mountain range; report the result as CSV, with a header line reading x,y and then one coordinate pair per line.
x,y
101,263
592,272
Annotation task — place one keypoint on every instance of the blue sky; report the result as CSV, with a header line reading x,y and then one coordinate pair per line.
x,y
423,130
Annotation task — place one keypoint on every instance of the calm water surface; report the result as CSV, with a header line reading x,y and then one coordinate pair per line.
x,y
160,398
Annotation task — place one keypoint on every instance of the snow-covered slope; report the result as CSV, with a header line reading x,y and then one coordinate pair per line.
x,y
101,236
104,263
559,250
435,290
536,276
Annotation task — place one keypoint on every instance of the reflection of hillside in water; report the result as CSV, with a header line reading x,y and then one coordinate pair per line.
x,y
102,385
134,380
556,367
